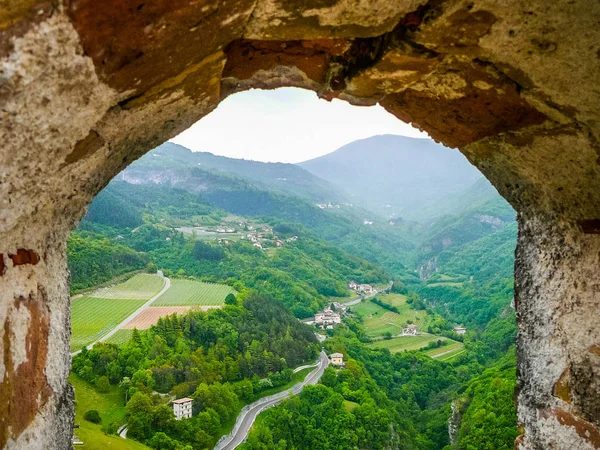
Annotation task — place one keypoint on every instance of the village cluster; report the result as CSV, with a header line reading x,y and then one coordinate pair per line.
x,y
264,238
329,205
261,236
363,289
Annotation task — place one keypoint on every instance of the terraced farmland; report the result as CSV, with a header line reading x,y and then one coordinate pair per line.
x,y
192,293
95,314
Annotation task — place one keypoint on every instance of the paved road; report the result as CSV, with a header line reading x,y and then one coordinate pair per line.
x,y
246,418
360,299
122,431
132,315
298,369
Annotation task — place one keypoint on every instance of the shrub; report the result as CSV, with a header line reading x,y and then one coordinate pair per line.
x,y
92,416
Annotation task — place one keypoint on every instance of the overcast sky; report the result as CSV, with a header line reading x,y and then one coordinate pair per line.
x,y
286,125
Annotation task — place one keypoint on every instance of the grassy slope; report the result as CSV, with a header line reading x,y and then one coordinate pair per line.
x,y
189,292
111,409
378,321
409,343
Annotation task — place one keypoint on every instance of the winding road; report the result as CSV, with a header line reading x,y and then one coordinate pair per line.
x,y
249,413
132,315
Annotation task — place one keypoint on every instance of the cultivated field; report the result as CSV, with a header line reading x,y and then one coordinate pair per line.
x,y
150,316
193,293
141,286
400,344
120,337
378,321
92,318
447,352
403,343
94,315
451,355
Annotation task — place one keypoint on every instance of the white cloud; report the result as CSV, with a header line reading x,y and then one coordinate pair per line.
x,y
287,125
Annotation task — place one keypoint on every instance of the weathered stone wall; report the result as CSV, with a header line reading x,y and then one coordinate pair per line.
x,y
557,289
86,87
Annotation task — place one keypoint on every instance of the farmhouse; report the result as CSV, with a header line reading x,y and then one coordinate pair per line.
x,y
460,330
410,330
365,289
182,408
352,285
337,359
339,307
327,317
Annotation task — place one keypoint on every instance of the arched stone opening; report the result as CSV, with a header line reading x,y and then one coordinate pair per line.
x,y
86,87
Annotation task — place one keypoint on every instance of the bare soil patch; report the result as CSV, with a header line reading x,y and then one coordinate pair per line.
x,y
150,316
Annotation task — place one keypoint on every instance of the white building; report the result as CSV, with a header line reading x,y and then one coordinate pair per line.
x,y
352,285
327,317
337,359
410,330
339,307
460,330
365,289
182,408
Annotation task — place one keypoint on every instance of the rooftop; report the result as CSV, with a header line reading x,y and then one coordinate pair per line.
x,y
183,400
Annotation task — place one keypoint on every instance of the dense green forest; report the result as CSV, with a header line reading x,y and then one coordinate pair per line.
x,y
222,358
457,268
400,401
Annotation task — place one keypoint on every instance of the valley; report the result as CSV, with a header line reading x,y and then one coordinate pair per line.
x,y
250,258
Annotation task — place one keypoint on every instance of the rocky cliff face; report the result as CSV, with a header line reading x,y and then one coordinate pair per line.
x,y
454,423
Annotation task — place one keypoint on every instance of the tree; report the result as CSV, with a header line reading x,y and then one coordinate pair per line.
x,y
163,418
139,416
230,299
160,441
103,385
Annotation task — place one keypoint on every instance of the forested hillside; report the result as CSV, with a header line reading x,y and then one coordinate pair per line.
x,y
285,178
302,274
222,358
289,258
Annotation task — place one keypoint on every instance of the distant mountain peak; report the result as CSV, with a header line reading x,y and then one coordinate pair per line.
x,y
395,175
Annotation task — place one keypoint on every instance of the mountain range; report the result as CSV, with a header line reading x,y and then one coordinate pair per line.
x,y
395,176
